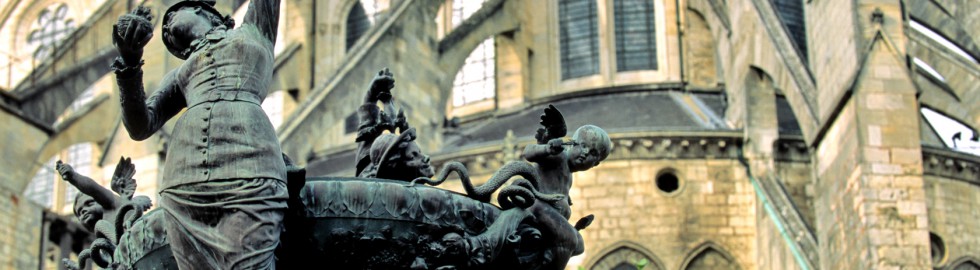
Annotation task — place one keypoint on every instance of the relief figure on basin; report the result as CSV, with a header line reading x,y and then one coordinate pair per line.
x,y
223,187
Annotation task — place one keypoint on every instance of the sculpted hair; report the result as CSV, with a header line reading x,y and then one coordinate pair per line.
x,y
603,145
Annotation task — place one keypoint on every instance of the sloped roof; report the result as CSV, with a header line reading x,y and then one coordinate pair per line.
x,y
646,111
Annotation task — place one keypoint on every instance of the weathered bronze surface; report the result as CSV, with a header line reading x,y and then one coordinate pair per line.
x,y
231,199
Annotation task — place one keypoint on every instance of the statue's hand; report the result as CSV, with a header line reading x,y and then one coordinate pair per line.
x,y
382,84
555,146
401,122
131,33
65,171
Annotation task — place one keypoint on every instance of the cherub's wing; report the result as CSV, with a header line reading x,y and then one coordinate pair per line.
x,y
122,179
552,125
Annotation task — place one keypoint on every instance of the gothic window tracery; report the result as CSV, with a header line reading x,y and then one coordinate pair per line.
x,y
52,25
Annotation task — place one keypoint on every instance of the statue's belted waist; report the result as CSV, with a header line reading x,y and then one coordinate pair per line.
x,y
228,95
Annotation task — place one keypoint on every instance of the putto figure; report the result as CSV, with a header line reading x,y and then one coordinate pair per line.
x,y
102,212
556,159
223,188
547,173
387,155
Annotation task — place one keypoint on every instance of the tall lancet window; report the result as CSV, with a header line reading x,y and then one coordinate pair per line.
x,y
578,24
357,24
636,42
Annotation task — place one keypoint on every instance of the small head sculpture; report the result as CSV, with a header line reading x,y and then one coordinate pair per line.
x,y
190,20
592,145
398,157
87,210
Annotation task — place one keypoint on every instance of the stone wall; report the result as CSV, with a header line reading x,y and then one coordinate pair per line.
x,y
954,215
20,231
714,204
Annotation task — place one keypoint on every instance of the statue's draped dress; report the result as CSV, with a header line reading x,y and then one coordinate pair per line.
x,y
223,183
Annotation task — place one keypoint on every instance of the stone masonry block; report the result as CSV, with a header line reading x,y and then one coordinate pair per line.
x,y
908,181
882,236
884,168
911,208
915,237
885,101
876,155
874,135
892,194
906,155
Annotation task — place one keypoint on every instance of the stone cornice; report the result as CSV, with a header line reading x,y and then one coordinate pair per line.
x,y
675,145
950,164
791,149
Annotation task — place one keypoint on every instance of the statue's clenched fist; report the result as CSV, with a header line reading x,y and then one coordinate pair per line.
x,y
65,171
382,84
131,32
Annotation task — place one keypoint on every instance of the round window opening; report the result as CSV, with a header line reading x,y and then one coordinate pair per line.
x,y
668,182
937,249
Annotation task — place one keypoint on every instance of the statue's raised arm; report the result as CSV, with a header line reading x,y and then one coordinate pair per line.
x,y
264,15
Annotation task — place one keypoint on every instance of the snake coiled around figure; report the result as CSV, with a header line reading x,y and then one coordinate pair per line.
x,y
522,193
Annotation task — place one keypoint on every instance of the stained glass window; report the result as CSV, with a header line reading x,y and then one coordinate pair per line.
x,y
579,38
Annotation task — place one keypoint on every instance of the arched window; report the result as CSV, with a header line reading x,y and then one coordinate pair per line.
x,y
463,9
357,24
578,23
476,80
373,9
362,15
79,156
636,42
709,256
51,27
41,188
791,15
626,258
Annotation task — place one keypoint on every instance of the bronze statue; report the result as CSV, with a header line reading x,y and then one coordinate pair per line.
x,y
550,175
387,155
223,187
102,212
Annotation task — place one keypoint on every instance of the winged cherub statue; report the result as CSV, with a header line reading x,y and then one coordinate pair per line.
x,y
103,212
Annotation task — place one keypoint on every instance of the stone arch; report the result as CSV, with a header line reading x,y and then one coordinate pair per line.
x,y
93,117
709,256
624,252
457,46
965,263
356,25
701,59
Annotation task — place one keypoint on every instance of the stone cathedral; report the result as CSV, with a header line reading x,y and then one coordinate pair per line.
x,y
748,134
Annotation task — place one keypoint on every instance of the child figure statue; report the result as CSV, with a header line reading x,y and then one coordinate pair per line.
x,y
103,212
387,155
549,167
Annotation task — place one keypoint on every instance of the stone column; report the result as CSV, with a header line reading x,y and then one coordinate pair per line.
x,y
871,205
